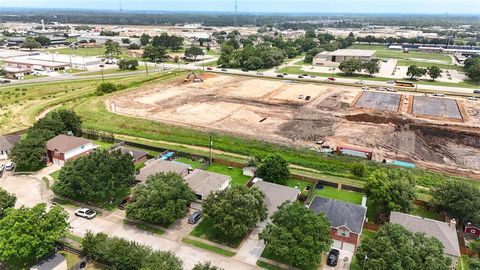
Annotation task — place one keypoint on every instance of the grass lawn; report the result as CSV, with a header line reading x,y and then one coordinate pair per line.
x,y
268,266
238,179
195,164
55,175
202,245
462,264
428,64
355,265
298,184
340,194
46,181
73,237
103,145
100,51
205,230
154,230
367,234
65,203
268,255
71,258
384,52
422,212
113,71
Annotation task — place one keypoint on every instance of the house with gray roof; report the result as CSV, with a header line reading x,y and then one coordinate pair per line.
x,y
162,166
276,195
203,182
444,232
346,221
6,144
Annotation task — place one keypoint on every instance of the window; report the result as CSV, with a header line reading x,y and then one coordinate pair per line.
x,y
343,233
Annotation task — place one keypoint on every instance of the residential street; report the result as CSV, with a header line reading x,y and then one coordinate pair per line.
x,y
31,190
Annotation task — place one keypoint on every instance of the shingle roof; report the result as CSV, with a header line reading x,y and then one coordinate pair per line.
x,y
63,143
276,194
8,141
162,166
433,228
340,213
135,153
203,182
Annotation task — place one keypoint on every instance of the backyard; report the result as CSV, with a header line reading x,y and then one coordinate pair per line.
x,y
207,231
238,179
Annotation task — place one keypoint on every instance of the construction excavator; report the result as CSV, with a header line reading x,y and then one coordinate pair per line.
x,y
193,77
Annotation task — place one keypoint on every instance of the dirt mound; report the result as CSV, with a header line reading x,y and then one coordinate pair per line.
x,y
315,127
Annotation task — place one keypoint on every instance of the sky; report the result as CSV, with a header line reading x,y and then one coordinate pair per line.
x,y
264,6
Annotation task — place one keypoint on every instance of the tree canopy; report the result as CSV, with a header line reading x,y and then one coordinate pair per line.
x,y
96,177
122,254
163,199
391,190
274,169
434,72
125,64
415,72
297,235
371,67
206,266
29,234
458,199
112,48
236,210
31,43
7,200
193,52
153,53
395,248
351,66
472,68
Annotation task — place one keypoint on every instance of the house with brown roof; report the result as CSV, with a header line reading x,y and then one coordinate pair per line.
x,y
162,166
62,148
203,182
6,144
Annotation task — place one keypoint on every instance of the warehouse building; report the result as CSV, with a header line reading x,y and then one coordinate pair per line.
x,y
335,58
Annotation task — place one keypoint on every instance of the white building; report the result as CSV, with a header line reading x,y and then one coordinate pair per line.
x,y
335,58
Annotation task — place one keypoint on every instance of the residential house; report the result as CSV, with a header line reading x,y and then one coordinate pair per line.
x,y
62,148
162,166
445,232
6,144
276,195
346,221
203,183
138,156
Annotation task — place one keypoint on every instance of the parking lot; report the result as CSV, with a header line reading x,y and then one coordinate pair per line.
x,y
379,101
436,107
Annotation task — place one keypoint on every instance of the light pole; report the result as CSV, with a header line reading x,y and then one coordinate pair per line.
x,y
211,146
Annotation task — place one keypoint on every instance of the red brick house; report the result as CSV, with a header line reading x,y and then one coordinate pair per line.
x,y
346,220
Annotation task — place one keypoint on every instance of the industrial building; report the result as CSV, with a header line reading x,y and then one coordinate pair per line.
x,y
103,39
335,58
51,62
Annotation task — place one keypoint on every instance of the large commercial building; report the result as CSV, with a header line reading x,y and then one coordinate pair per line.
x,y
335,58
103,39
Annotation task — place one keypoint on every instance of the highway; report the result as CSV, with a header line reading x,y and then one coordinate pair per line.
x,y
266,74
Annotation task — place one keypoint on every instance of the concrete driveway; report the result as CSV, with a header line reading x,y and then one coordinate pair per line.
x,y
344,261
28,189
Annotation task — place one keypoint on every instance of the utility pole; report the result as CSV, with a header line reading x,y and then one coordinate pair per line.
x,y
146,66
211,145
235,22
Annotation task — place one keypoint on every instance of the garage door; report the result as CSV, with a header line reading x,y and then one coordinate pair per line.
x,y
337,244
348,247
58,162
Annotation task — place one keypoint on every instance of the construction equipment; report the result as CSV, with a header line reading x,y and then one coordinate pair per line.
x,y
193,77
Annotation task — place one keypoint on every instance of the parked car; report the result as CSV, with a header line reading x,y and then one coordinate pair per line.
x,y
331,79
209,68
438,95
476,91
307,98
332,258
300,96
260,73
300,76
4,81
10,166
365,87
194,217
472,98
244,69
390,89
313,76
279,76
85,213
224,69
381,89
359,82
391,82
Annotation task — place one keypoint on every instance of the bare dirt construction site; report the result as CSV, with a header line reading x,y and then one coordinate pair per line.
x,y
436,133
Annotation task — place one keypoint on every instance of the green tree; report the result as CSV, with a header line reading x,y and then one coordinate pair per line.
x,y
395,248
391,190
60,121
163,199
30,43
236,210
126,64
121,254
112,48
472,68
7,200
359,169
434,72
274,169
297,235
206,266
43,40
29,234
351,66
96,177
193,52
154,54
371,67
415,72
29,152
105,88
145,39
458,199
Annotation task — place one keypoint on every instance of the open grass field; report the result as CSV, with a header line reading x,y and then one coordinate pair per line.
x,y
384,52
205,230
238,179
193,163
100,51
112,71
340,195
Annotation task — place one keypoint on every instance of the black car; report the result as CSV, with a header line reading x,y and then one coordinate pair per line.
x,y
224,69
300,76
476,91
332,258
285,74
279,76
244,69
195,217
